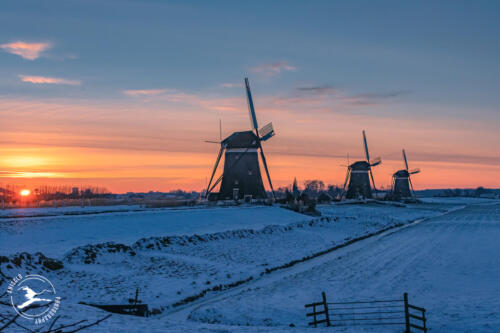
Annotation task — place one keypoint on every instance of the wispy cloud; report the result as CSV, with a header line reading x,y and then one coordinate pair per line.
x,y
146,92
375,97
231,85
34,174
321,89
382,95
182,99
30,51
273,69
48,80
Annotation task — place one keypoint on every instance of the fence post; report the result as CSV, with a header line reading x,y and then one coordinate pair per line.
x,y
326,308
407,314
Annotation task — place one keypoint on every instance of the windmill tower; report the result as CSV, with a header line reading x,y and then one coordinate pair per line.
x,y
402,187
357,179
241,175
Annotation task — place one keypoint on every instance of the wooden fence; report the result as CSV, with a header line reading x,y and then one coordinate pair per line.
x,y
368,313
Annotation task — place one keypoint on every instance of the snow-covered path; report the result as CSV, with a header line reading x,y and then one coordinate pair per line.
x,y
448,264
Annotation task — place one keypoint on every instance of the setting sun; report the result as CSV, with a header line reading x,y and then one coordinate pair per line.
x,y
25,192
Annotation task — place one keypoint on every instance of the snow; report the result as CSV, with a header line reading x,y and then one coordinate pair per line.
x,y
54,235
457,200
65,210
449,265
442,252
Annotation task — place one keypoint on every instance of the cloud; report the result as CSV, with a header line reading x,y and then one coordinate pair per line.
x,y
30,51
231,85
374,98
182,99
273,69
48,80
383,95
321,90
19,174
146,92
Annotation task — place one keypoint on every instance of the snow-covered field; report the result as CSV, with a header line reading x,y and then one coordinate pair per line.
x,y
66,228
252,269
65,210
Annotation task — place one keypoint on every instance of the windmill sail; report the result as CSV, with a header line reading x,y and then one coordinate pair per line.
x,y
376,161
266,132
368,160
366,147
406,161
251,109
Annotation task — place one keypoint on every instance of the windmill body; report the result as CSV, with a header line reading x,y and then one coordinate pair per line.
x,y
241,176
359,181
357,184
401,185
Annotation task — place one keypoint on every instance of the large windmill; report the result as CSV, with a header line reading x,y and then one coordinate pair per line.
x,y
402,187
357,179
241,176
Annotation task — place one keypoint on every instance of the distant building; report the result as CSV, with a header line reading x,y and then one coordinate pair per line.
x,y
74,191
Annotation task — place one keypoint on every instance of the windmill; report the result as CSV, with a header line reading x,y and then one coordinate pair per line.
x,y
357,180
241,176
402,187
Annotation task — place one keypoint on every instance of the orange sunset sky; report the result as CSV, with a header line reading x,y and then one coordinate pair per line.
x,y
124,96
159,144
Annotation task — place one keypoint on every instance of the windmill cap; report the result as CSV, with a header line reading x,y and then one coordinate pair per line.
x,y
246,139
360,165
401,173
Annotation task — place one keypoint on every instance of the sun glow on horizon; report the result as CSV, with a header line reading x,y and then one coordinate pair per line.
x,y
25,192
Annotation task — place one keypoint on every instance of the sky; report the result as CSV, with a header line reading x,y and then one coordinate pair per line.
x,y
124,94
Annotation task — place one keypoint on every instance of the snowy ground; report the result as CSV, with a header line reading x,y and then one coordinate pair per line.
x,y
57,233
447,263
65,210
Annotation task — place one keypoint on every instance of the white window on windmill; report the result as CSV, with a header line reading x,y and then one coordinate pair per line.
x,y
236,193
250,172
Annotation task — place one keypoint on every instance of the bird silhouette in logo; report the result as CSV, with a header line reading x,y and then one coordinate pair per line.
x,y
31,297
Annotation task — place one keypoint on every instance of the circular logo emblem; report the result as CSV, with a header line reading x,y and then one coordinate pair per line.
x,y
34,297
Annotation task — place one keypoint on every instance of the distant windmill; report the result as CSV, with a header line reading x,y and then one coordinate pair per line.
x,y
241,176
402,187
357,180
